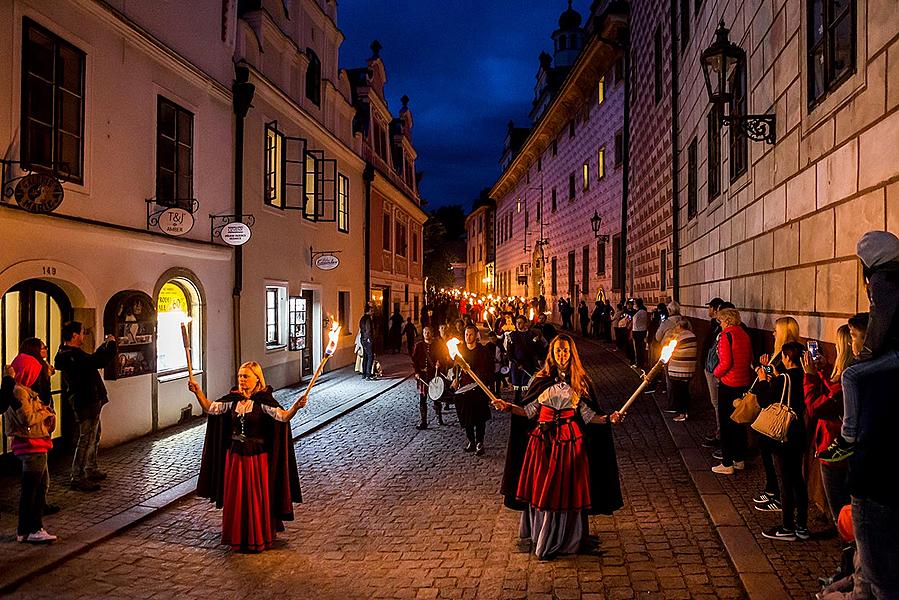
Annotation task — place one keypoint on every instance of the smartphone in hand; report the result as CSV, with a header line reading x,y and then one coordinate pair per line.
x,y
813,349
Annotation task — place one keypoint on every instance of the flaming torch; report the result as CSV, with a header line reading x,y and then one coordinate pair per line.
x,y
453,346
329,351
531,314
185,337
667,351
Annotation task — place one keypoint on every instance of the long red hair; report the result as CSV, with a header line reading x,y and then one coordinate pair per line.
x,y
579,381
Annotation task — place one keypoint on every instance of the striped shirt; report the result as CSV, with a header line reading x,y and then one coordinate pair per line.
x,y
683,362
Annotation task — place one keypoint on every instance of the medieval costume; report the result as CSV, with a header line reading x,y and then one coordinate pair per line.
x,y
472,405
428,359
569,469
249,469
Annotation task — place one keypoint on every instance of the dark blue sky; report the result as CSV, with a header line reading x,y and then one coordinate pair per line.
x,y
467,66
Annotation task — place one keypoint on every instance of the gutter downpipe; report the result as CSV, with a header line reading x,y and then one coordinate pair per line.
x,y
368,176
675,179
242,97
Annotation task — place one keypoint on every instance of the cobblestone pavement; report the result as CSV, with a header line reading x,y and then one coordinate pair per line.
x,y
392,512
148,466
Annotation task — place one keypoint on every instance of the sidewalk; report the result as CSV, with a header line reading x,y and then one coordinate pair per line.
x,y
768,569
148,474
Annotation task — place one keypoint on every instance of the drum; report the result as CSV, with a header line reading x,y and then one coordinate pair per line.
x,y
439,389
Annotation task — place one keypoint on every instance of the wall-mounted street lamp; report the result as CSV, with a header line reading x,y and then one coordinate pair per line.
x,y
720,62
595,223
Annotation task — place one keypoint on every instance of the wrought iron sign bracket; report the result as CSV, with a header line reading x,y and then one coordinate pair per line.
x,y
758,128
315,254
8,186
218,222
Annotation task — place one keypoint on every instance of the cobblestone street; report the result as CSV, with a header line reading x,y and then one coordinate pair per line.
x,y
392,512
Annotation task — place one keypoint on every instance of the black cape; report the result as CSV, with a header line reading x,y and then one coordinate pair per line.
x,y
283,479
605,487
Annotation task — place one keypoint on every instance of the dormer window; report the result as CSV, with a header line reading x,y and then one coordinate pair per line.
x,y
314,78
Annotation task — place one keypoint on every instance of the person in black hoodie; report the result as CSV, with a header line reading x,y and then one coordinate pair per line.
x,y
879,253
788,455
83,389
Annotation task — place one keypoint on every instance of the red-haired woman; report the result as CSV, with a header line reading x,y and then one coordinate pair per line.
x,y
569,469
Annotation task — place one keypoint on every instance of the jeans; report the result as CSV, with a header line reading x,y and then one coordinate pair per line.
x,y
852,378
793,489
772,487
639,348
713,396
85,460
877,534
835,478
33,497
733,435
368,358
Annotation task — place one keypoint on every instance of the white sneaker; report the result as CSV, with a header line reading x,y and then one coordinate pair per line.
x,y
722,470
739,465
40,537
20,538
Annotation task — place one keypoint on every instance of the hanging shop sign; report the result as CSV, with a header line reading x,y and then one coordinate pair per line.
x,y
176,221
236,234
39,193
327,262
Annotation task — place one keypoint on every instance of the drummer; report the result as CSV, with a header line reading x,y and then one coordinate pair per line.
x,y
429,358
472,404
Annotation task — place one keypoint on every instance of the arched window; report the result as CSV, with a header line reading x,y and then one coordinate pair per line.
x,y
178,302
314,77
563,42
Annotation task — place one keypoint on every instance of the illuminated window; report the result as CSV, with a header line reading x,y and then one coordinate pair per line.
x,y
601,163
275,313
586,175
601,90
178,302
274,167
343,204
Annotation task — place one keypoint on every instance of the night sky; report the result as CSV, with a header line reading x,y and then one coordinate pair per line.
x,y
467,66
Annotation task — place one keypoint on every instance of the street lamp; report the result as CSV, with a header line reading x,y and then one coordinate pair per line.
x,y
596,222
720,62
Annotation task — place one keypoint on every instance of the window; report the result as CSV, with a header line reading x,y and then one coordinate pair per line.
x,y
400,239
415,312
178,299
684,24
555,147
616,262
553,200
619,71
386,231
343,203
691,179
555,275
52,104
619,148
739,143
539,163
415,246
275,298
274,167
585,271
343,312
658,64
571,259
600,258
601,90
586,169
571,187
314,78
601,163
174,155
713,164
663,270
571,128
540,210
406,294
831,46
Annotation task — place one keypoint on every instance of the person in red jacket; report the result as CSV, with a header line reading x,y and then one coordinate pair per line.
x,y
824,404
734,374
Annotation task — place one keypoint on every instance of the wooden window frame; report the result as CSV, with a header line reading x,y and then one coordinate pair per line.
x,y
175,200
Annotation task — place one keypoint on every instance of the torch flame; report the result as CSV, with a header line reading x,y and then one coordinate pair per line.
x,y
484,316
668,350
531,315
492,310
452,345
332,338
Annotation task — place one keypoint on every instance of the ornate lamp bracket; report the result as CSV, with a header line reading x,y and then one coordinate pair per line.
x,y
758,128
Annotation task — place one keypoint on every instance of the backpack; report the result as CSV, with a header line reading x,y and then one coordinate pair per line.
x,y
713,359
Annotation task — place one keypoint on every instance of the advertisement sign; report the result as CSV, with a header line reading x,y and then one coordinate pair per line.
x,y
236,234
176,221
326,262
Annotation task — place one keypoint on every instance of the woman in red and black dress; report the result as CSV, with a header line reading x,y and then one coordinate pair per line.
x,y
249,468
569,469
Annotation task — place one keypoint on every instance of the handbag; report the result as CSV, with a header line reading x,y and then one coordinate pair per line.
x,y
746,408
776,419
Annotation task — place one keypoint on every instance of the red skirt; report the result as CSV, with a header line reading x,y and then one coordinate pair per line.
x,y
555,475
247,522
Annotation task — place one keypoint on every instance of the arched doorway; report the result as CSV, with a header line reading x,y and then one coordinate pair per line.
x,y
36,308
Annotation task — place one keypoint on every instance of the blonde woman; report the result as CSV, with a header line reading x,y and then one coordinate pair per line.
x,y
558,484
734,374
249,468
824,403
